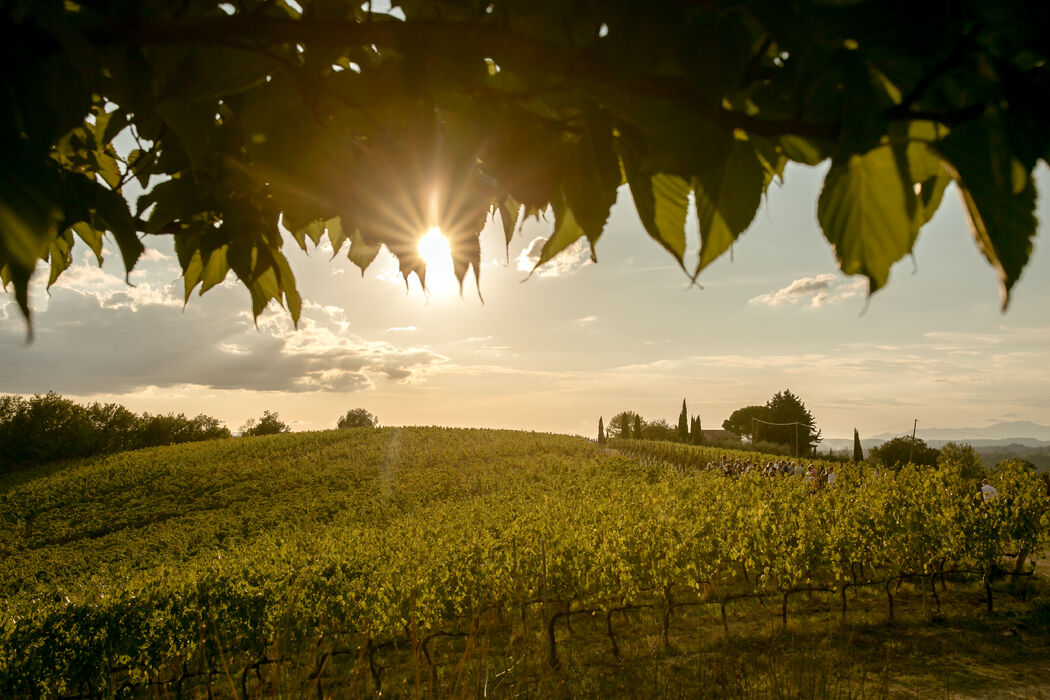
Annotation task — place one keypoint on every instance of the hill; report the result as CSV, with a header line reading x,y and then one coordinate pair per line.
x,y
1011,430
425,561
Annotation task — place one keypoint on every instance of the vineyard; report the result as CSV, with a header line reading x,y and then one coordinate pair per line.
x,y
357,559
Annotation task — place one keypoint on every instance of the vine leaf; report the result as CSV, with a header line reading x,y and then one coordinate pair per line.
x,y
728,193
593,176
361,253
566,232
868,212
999,196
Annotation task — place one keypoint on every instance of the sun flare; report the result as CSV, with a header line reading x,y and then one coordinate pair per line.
x,y
437,254
433,248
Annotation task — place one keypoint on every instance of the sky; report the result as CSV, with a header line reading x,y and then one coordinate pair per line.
x,y
574,341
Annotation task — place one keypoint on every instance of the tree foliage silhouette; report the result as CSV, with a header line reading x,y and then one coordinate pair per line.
x,y
357,418
269,424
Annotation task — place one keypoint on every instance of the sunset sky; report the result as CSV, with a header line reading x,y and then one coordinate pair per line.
x,y
573,342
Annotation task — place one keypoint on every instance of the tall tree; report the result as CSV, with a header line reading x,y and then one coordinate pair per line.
x,y
368,128
601,430
697,432
792,423
741,422
858,451
683,424
636,429
621,425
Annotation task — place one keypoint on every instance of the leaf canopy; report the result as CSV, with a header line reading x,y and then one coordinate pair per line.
x,y
325,118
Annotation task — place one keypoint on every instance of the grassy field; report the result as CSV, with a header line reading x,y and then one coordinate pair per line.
x,y
429,562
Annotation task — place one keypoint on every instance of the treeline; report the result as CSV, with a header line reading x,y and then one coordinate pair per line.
x,y
782,426
48,428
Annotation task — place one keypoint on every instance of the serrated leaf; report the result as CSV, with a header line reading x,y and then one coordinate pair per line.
x,y
466,255
361,253
336,235
60,255
727,197
113,213
661,202
214,270
931,192
286,284
863,211
593,177
90,236
566,232
107,167
999,196
509,212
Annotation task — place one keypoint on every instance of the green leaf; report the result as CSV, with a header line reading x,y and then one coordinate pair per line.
x,y
864,212
171,199
212,72
91,236
466,254
336,235
361,253
60,255
727,196
509,211
566,232
113,214
193,124
214,271
803,150
661,202
999,195
593,176
286,283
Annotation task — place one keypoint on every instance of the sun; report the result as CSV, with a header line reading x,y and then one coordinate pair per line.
x,y
433,248
436,253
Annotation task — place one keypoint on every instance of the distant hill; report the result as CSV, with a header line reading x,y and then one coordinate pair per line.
x,y
1013,440
997,431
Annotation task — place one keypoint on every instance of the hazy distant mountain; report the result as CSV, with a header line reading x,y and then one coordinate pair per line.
x,y
997,431
1022,439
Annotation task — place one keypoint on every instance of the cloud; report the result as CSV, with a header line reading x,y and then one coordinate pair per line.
x,y
567,262
816,291
100,336
153,255
401,329
586,320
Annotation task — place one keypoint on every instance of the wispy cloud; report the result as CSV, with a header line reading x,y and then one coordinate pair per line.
x,y
570,260
813,291
586,320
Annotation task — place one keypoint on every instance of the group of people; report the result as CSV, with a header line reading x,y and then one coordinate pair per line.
x,y
815,476
779,467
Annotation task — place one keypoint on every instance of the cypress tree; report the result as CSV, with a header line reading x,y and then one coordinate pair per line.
x,y
625,427
601,431
698,432
637,431
858,451
683,424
